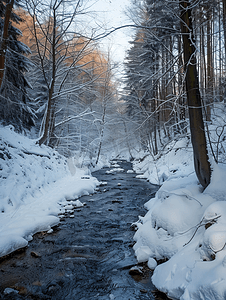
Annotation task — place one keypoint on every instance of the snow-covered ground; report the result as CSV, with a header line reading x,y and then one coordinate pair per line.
x,y
184,225
37,186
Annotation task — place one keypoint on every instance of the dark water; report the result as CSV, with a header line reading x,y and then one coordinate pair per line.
x,y
88,256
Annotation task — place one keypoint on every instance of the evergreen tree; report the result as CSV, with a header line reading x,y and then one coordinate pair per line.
x,y
14,100
151,71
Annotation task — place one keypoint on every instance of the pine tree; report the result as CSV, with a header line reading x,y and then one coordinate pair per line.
x,y
151,75
14,100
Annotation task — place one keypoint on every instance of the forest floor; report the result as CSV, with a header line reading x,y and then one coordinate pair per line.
x,y
89,255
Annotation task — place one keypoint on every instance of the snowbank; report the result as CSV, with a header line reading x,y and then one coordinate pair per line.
x,y
185,226
35,183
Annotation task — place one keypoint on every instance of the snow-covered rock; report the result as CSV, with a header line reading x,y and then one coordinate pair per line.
x,y
184,225
34,180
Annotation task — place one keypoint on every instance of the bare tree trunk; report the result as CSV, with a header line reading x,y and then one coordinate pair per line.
x,y
220,92
198,139
224,27
181,107
204,77
209,64
3,47
224,23
102,129
51,87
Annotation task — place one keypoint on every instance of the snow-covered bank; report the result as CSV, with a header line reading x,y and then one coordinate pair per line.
x,y
35,184
184,225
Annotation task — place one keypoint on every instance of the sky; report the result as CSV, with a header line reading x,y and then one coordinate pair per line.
x,y
112,14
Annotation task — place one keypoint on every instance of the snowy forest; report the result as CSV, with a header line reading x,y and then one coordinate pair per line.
x,y
66,113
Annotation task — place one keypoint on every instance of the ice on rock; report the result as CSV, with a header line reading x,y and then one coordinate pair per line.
x,y
115,165
9,291
215,240
130,171
102,183
215,210
136,270
152,263
143,253
78,203
114,170
68,207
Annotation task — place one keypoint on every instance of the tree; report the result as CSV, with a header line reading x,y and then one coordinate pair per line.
x,y
71,78
153,69
198,139
51,31
162,79
224,22
5,34
14,99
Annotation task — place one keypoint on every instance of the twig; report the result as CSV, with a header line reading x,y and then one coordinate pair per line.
x,y
199,225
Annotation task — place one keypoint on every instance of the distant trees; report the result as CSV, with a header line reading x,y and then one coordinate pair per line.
x,y
53,55
71,91
151,77
71,78
174,71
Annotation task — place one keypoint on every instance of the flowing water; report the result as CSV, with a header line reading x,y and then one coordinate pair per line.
x,y
88,256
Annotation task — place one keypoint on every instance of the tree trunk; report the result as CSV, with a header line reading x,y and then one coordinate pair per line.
x,y
47,119
198,138
49,112
224,23
224,27
209,65
3,47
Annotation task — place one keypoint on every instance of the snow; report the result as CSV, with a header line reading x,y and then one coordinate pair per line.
x,y
37,186
184,225
152,263
143,254
9,291
114,170
130,171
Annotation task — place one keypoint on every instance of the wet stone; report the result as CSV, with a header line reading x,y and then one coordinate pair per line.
x,y
136,271
90,255
35,254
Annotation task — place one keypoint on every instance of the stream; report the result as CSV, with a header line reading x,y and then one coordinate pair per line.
x,y
88,256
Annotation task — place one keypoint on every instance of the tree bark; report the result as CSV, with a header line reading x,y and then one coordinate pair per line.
x,y
198,138
3,47
224,22
47,130
209,64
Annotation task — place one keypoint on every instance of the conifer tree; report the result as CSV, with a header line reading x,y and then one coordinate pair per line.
x,y
14,100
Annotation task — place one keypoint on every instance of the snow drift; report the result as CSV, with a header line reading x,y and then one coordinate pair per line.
x,y
35,184
184,225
